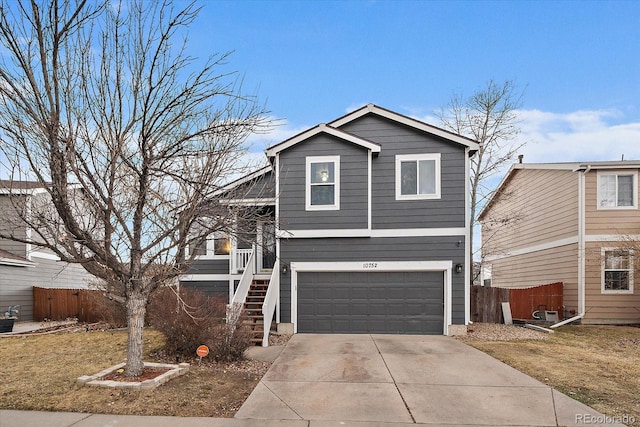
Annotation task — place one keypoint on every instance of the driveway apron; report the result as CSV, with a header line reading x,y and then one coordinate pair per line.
x,y
402,379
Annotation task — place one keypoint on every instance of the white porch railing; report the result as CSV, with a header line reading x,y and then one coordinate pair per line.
x,y
245,281
241,259
270,300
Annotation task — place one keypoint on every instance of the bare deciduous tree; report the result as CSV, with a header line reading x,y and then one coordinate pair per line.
x,y
131,138
489,116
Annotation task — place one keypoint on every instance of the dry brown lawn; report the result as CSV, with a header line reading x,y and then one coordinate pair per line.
x,y
597,365
39,373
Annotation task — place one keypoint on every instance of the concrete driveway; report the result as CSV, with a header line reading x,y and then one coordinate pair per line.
x,y
403,379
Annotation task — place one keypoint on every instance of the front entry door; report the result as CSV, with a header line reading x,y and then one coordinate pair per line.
x,y
266,245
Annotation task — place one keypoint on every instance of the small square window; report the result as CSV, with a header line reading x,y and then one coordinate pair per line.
x,y
617,270
617,190
418,176
323,183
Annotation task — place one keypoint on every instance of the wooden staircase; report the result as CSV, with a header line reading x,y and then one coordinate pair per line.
x,y
253,309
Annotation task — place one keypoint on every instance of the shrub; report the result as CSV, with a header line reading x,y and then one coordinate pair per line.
x,y
105,310
195,319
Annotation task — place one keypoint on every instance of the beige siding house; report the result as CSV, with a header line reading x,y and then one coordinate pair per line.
x,y
577,223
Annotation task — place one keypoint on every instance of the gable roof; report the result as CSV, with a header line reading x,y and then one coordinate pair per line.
x,y
408,121
618,164
245,178
322,128
566,166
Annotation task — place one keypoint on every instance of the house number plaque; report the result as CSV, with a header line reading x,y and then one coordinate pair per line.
x,y
369,265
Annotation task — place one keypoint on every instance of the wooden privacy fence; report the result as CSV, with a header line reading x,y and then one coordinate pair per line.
x,y
60,304
486,302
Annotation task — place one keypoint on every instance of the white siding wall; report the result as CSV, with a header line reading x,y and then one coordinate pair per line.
x,y
16,283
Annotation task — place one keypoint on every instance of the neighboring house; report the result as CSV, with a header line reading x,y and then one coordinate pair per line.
x,y
23,266
577,223
369,230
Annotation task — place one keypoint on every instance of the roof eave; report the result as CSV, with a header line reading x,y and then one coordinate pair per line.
x,y
246,178
16,263
502,183
316,130
409,121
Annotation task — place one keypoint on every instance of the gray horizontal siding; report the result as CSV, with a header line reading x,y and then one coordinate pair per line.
x,y
209,266
353,211
396,139
210,288
375,249
259,188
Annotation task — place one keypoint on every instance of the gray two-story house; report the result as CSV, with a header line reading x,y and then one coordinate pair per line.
x,y
369,231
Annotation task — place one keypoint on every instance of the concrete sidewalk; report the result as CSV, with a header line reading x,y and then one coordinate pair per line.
x,y
404,379
72,419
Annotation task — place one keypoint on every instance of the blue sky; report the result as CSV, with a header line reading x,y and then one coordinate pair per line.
x,y
312,61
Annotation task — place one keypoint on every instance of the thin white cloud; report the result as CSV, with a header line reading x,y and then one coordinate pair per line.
x,y
281,131
578,136
585,135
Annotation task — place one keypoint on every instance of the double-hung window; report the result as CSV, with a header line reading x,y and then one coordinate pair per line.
x,y
617,190
323,183
617,270
418,176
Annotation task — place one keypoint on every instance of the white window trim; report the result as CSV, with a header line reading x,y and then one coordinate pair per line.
x,y
417,157
631,268
616,174
211,245
322,159
372,267
486,273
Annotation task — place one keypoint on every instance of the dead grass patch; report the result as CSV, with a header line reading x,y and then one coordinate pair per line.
x,y
40,372
596,365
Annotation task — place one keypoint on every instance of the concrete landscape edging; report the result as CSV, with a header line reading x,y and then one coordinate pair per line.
x,y
174,371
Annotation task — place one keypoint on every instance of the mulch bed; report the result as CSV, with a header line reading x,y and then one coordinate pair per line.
x,y
147,374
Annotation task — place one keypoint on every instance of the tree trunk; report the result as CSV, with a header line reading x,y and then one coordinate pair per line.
x,y
136,309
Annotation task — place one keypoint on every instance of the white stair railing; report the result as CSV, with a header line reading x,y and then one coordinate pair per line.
x,y
245,281
241,259
270,300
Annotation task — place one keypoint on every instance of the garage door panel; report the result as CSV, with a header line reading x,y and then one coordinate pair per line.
x,y
366,302
340,309
396,309
417,309
418,292
357,308
374,293
359,292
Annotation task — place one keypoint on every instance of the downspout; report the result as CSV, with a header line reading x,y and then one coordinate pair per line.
x,y
581,251
276,171
468,256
